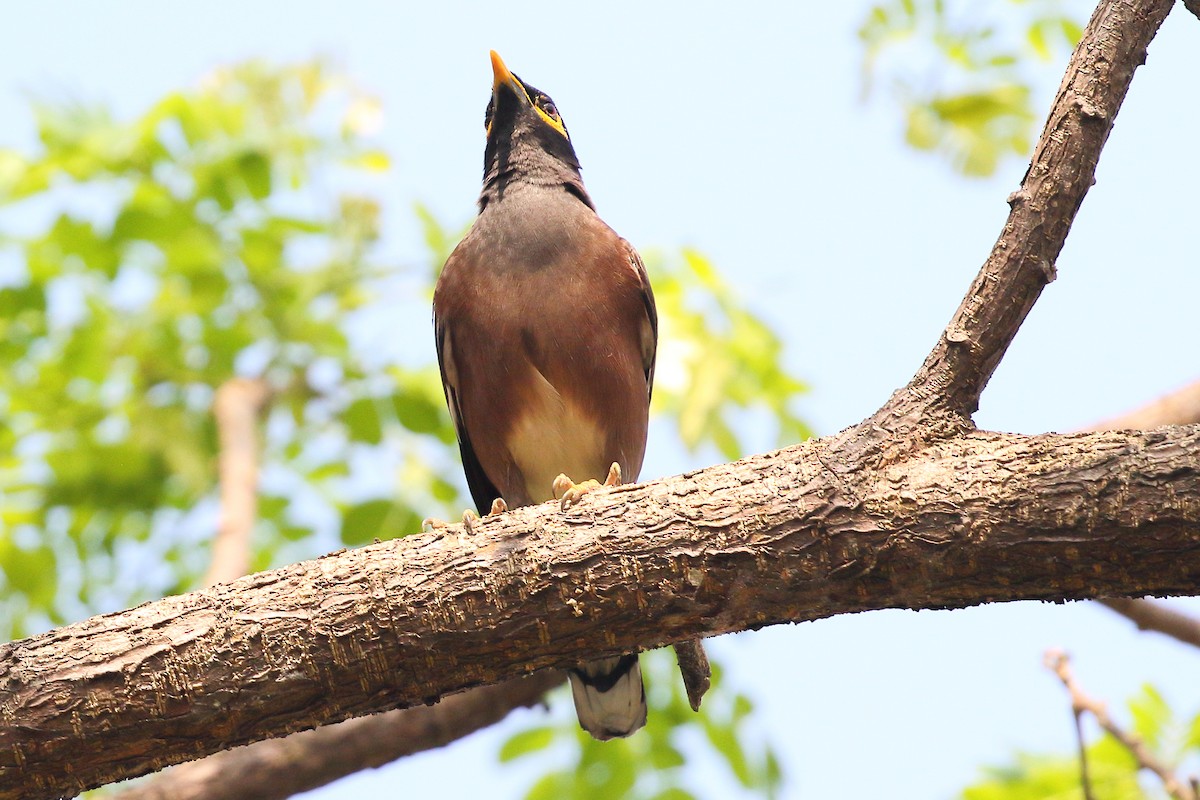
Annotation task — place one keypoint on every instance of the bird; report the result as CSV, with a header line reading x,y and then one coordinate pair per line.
x,y
546,333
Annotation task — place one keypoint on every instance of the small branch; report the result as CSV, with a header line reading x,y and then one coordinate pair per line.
x,y
1193,6
1059,663
1084,780
1060,173
693,667
278,768
236,408
1181,407
1151,616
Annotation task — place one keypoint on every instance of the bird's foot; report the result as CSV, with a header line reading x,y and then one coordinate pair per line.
x,y
469,518
569,493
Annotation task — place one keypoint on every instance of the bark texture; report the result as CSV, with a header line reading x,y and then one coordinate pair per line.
x,y
788,537
912,508
277,768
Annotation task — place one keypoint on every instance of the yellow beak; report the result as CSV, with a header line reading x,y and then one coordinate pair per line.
x,y
501,76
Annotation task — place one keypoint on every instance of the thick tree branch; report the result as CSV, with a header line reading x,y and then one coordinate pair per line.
x,y
790,536
303,761
1062,170
278,768
1181,407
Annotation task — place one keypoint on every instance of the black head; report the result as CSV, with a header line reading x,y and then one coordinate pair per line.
x,y
527,139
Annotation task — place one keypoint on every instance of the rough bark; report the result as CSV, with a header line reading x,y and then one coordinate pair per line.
x,y
788,537
912,508
279,768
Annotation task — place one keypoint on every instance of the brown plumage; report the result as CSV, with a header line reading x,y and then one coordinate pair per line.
x,y
546,334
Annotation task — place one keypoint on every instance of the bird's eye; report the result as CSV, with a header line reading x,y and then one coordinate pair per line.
x,y
488,114
548,107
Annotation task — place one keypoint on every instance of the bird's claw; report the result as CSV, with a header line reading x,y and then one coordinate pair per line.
x,y
469,518
569,493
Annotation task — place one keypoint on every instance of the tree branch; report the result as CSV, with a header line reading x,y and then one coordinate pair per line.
x,y
1059,664
1150,616
236,407
1180,407
791,536
1062,170
278,768
912,508
273,769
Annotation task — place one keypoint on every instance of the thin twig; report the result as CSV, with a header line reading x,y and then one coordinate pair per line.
x,y
1059,663
1083,763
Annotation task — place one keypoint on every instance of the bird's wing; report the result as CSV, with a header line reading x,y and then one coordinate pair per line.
x,y
650,330
483,491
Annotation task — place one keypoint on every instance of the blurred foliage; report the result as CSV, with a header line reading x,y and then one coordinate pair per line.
x,y
1112,769
674,738
963,71
716,358
144,263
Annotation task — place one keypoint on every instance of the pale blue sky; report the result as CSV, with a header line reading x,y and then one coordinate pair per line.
x,y
738,129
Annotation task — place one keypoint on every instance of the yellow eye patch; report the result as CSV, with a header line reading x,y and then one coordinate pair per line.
x,y
552,121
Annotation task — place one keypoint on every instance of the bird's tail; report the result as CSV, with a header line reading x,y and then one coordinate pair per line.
x,y
609,697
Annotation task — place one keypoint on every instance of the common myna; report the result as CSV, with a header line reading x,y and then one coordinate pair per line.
x,y
546,332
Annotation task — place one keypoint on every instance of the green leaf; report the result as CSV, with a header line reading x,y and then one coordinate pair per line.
x,y
674,793
725,740
1036,36
362,420
421,414
552,786
1151,716
372,161
664,755
527,741
255,171
364,522
31,572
